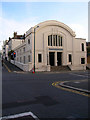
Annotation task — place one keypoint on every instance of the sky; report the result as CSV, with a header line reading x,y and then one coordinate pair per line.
x,y
20,16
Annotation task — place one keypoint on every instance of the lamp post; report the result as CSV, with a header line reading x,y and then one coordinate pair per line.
x,y
34,47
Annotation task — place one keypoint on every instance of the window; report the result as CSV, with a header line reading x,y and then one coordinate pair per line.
x,y
24,49
17,58
61,41
39,57
54,40
28,41
20,51
82,60
70,58
20,59
82,46
24,59
17,52
50,40
29,60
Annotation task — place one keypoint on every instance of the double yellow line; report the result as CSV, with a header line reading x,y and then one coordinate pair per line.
x,y
56,84
6,67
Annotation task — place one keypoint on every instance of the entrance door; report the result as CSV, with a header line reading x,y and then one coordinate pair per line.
x,y
59,58
51,58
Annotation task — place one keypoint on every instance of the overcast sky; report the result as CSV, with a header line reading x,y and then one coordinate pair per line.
x,y
20,16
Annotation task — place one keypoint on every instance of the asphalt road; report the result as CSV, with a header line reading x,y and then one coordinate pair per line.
x,y
23,92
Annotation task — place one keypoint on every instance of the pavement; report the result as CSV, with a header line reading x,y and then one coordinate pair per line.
x,y
11,67
81,85
78,84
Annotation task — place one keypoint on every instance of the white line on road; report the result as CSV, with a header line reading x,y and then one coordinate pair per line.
x,y
20,115
79,75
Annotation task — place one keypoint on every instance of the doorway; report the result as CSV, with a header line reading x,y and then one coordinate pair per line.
x,y
59,58
51,58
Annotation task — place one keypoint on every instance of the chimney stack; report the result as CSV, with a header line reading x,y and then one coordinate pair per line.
x,y
15,34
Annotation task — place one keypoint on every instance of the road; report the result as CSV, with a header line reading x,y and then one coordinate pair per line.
x,y
24,92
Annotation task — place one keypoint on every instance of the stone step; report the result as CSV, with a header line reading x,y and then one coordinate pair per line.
x,y
60,68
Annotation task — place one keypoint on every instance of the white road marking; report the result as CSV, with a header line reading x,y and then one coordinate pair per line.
x,y
20,115
79,75
77,82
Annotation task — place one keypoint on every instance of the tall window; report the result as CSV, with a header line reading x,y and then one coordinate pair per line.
x,y
50,40
82,60
17,58
28,41
17,52
24,59
20,51
70,58
29,59
39,57
54,40
61,41
59,44
24,49
20,59
82,46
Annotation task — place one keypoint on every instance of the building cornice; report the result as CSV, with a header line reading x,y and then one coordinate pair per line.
x,y
51,23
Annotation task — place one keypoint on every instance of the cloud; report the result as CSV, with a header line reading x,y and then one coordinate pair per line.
x,y
8,26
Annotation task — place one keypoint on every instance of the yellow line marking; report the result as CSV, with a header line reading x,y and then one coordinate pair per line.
x,y
7,67
70,90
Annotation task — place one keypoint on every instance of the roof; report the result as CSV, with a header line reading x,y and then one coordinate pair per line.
x,y
51,23
56,23
15,36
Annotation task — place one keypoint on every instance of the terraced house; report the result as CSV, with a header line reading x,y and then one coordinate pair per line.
x,y
51,44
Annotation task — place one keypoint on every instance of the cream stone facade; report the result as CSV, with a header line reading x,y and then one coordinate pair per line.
x,y
55,45
15,41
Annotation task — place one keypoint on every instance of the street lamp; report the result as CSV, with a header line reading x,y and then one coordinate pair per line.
x,y
34,46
